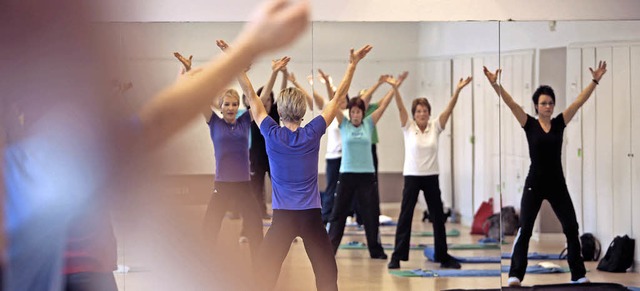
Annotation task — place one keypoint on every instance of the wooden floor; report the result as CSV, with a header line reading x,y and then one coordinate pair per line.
x,y
356,271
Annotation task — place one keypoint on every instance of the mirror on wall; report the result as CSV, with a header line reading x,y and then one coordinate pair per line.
x,y
598,145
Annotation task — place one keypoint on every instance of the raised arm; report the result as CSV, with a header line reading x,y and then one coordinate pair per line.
x,y
292,79
285,78
366,97
276,66
186,62
377,114
327,83
247,88
317,98
404,115
275,24
186,72
568,113
333,109
444,116
517,111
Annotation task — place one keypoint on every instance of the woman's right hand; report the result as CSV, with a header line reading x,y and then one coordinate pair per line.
x,y
358,55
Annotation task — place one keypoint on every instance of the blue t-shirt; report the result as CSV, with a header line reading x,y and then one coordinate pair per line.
x,y
356,146
293,157
230,146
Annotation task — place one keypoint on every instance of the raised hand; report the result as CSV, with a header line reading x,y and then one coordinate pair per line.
x,y
402,77
280,64
223,45
463,82
324,77
383,79
292,78
275,24
185,62
599,72
492,77
390,80
358,55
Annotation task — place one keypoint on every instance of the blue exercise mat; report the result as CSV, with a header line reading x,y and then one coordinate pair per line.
x,y
473,273
429,253
536,256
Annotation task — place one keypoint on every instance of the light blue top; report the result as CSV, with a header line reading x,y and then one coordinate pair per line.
x,y
356,146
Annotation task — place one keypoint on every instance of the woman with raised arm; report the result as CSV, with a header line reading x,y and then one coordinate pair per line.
x,y
232,188
546,179
421,173
357,174
293,153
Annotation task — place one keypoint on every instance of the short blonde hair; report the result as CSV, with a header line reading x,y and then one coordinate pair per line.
x,y
229,93
291,104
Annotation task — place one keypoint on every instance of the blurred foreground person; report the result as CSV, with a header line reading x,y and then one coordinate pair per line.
x,y
68,147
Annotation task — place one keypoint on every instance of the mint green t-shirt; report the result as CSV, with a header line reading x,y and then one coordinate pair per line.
x,y
356,146
372,107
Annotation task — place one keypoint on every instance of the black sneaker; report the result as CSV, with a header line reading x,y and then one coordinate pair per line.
x,y
394,264
381,256
450,263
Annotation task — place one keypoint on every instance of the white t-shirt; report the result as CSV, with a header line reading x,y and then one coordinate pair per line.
x,y
334,142
421,148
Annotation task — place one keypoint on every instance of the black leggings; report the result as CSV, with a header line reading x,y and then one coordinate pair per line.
x,y
259,168
557,194
431,187
224,196
286,225
328,196
360,185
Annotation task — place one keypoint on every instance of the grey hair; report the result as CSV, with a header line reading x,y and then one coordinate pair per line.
x,y
291,104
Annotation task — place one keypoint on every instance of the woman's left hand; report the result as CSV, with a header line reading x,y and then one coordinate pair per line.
x,y
599,72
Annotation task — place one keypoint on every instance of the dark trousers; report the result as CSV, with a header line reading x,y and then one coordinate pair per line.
x,y
329,194
90,281
361,186
286,225
259,168
557,194
431,187
355,209
227,194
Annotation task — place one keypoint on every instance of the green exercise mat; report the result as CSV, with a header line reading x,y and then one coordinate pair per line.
x,y
452,233
356,245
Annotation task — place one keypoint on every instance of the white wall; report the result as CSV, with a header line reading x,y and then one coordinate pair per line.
x,y
377,10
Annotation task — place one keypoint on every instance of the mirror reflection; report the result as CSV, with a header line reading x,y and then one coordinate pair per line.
x,y
441,62
567,86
